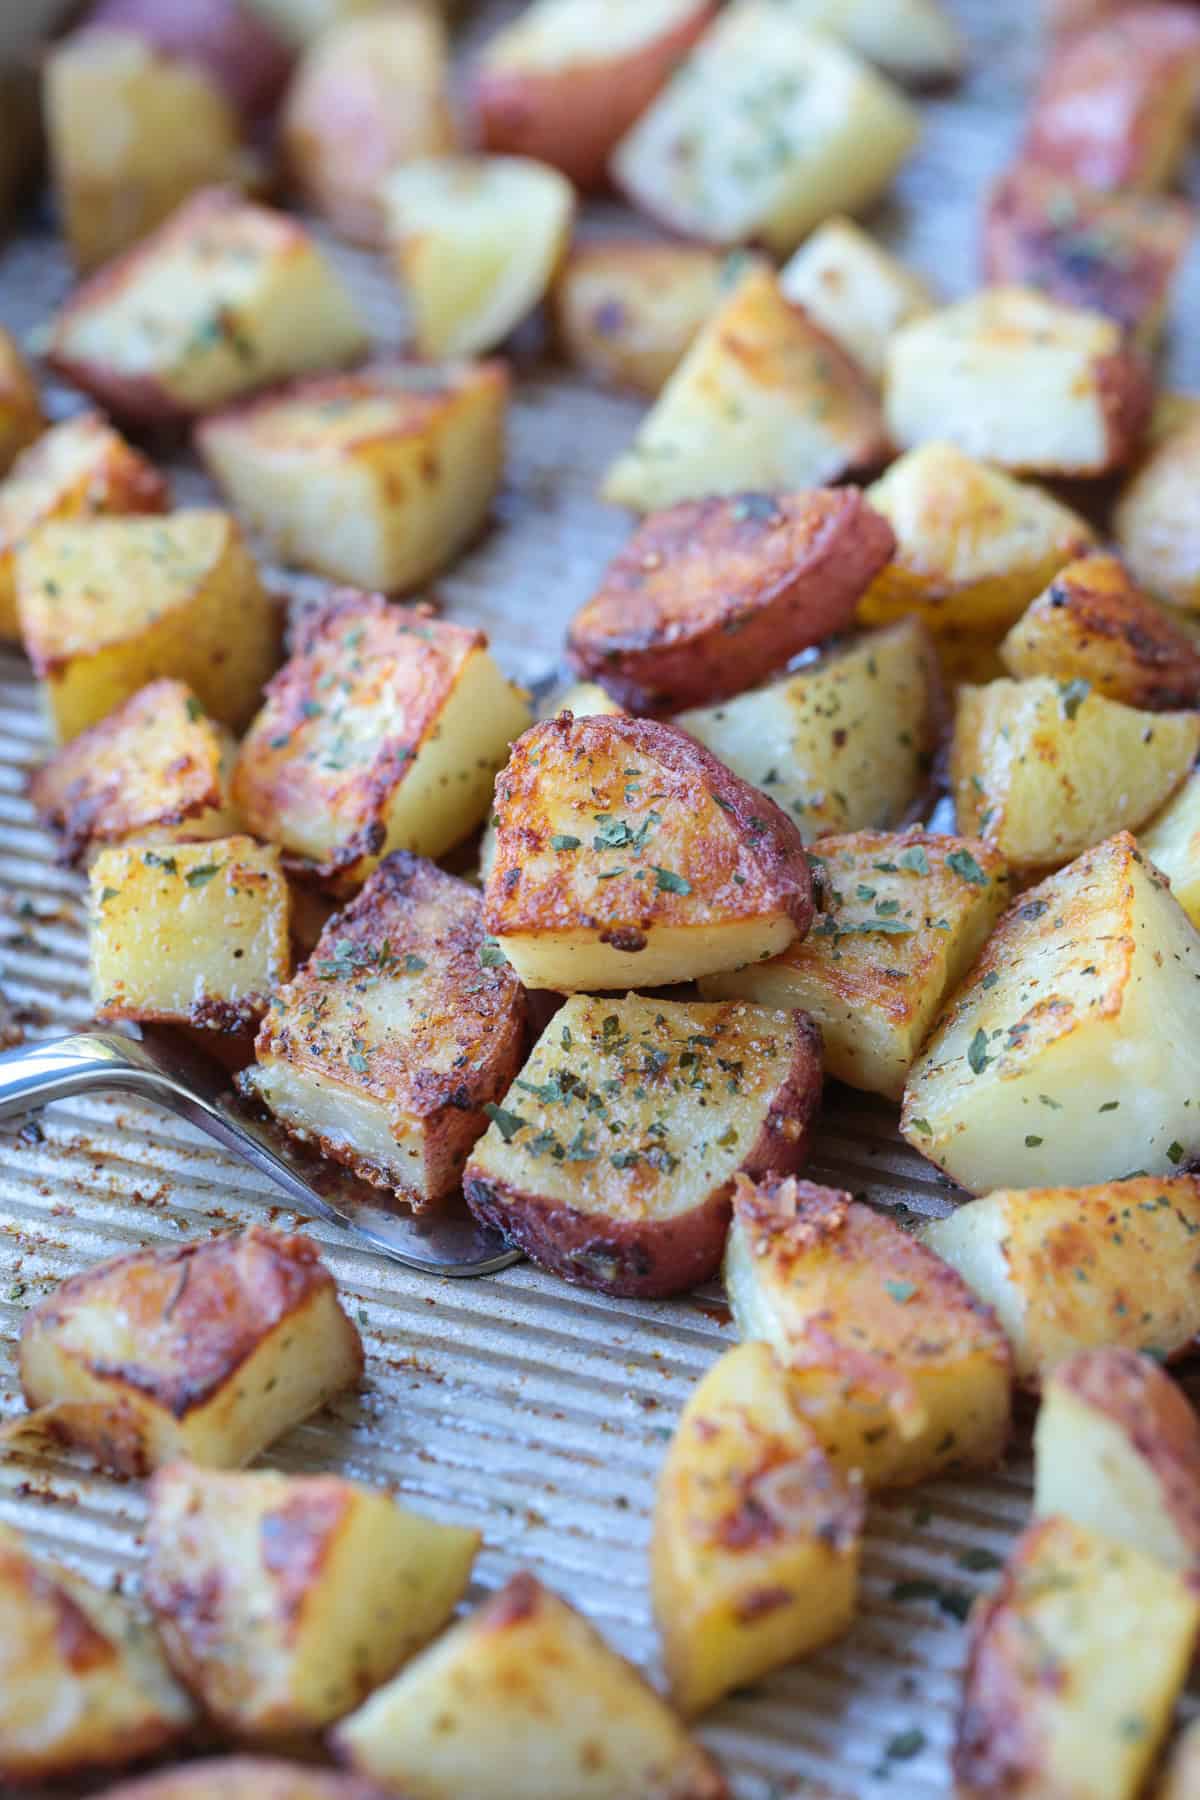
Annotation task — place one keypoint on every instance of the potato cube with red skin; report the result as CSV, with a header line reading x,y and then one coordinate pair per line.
x,y
21,416
625,852
390,1045
369,94
78,468
1117,254
711,596
565,80
384,731
1114,106
626,310
245,1778
524,1697
902,1372
613,1157
378,478
224,297
245,56
1074,1663
208,1351
283,1600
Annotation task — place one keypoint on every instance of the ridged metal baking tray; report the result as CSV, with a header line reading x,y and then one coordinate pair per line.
x,y
536,1412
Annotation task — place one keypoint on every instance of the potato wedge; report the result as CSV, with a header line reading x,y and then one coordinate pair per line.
x,y
566,79
970,373
1073,1667
157,769
1094,625
902,1372
903,920
393,1041
222,298
1065,1057
245,1778
762,134
475,241
855,290
195,934
613,1156
83,1683
754,1555
1117,254
842,744
1117,1450
1172,842
626,311
283,1600
369,94
106,605
384,731
247,59
626,853
973,546
169,129
379,478
712,596
1044,769
1155,522
79,467
524,1696
764,399
208,1351
21,416
1071,1269
1114,107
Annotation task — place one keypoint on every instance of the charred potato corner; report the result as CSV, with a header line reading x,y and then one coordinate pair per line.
x,y
645,716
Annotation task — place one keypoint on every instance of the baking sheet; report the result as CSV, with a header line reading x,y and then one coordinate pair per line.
x,y
533,1411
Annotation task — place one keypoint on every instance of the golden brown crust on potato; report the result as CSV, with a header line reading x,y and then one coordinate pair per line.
x,y
710,596
245,1778
21,416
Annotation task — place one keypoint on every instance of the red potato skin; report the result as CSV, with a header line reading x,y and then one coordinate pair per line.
x,y
246,59
711,596
651,1259
573,117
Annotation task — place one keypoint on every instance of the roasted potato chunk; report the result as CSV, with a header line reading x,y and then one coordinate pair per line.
x,y
1114,107
245,1778
712,596
476,241
369,94
21,417
83,1683
1066,1056
1172,842
106,605
397,1036
1155,521
762,134
78,467
626,853
157,770
855,291
222,298
842,744
754,1557
625,310
383,732
763,399
901,1371
973,546
1020,380
915,40
1073,1667
524,1696
282,1600
169,130
1117,254
1070,1269
193,934
612,1159
208,1351
904,918
1044,769
379,478
1094,625
1117,1450
565,80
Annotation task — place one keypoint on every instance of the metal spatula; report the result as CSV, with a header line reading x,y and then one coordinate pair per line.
x,y
158,1066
